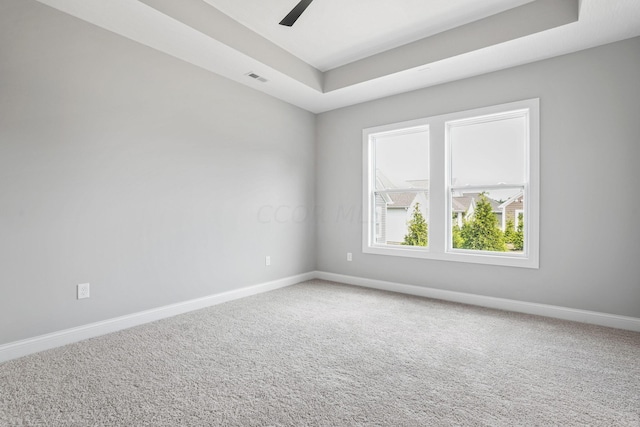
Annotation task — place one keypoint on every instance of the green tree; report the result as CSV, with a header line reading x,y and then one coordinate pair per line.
x,y
482,232
417,233
509,232
515,235
456,237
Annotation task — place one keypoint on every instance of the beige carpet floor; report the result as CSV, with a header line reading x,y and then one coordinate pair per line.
x,y
325,354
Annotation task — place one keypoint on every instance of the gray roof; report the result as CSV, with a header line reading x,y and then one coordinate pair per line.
x,y
462,203
401,200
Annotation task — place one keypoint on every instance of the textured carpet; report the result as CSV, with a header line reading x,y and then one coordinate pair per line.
x,y
323,354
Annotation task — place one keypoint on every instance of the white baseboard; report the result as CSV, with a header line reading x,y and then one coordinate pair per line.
x,y
21,348
28,346
583,316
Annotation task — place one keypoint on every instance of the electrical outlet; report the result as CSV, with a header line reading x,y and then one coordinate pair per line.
x,y
267,261
83,290
349,256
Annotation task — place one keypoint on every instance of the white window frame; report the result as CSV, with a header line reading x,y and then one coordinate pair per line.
x,y
439,190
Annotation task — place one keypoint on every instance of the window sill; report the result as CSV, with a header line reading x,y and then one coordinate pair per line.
x,y
498,259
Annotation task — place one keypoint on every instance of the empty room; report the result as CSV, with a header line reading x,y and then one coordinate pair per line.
x,y
319,213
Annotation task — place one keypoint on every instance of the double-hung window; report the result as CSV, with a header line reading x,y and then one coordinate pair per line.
x,y
458,187
400,186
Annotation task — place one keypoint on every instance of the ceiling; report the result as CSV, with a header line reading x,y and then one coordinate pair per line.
x,y
343,52
331,33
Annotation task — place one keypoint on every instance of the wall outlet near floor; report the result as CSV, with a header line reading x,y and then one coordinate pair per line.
x,y
83,290
349,256
267,260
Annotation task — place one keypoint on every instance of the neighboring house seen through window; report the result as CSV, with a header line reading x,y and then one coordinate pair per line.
x,y
458,187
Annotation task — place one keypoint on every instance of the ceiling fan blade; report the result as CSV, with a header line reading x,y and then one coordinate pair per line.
x,y
295,13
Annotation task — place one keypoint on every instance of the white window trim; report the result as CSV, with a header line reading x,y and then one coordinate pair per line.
x,y
517,213
439,219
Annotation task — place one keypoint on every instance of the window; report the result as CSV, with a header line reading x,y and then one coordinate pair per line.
x,y
457,187
398,166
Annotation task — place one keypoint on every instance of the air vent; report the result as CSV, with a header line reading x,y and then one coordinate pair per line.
x,y
257,77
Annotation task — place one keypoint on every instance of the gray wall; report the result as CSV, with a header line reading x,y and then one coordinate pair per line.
x,y
590,173
136,172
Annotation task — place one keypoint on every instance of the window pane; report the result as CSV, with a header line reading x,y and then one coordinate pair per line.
x,y
402,160
401,218
489,152
486,221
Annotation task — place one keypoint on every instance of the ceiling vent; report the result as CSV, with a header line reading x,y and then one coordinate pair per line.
x,y
257,77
